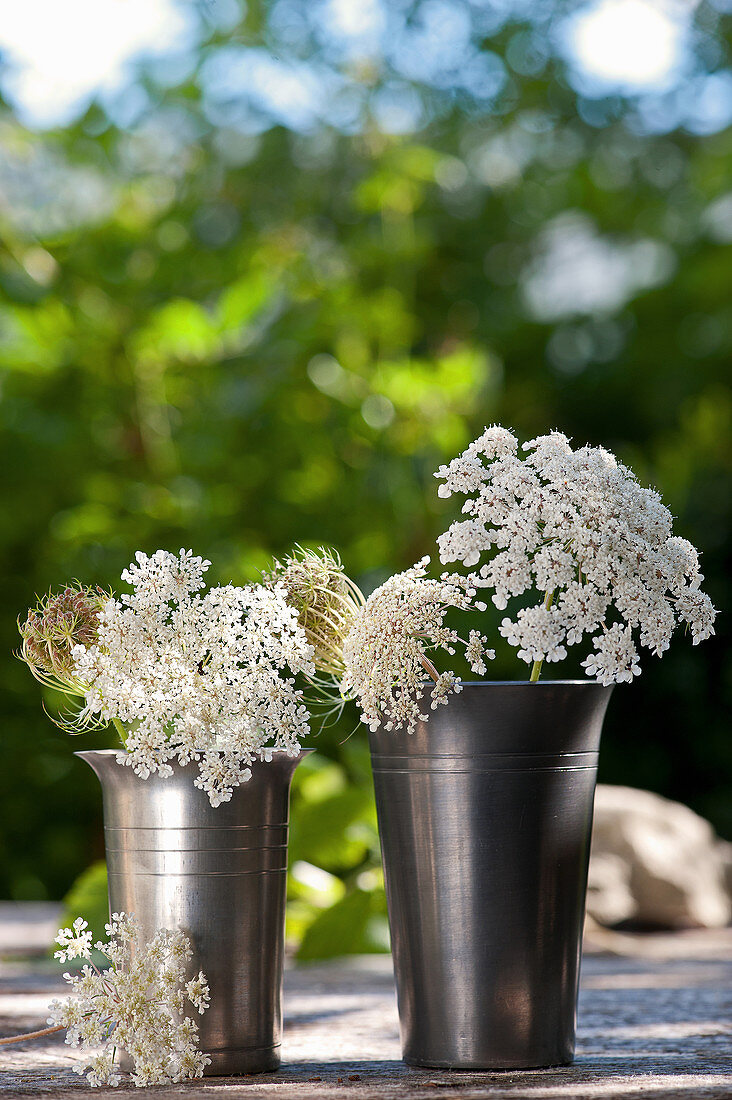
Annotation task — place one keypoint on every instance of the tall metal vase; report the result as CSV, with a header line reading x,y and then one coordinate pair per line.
x,y
220,875
485,814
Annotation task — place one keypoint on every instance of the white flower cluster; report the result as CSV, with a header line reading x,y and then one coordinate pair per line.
x,y
195,676
577,526
135,1004
386,650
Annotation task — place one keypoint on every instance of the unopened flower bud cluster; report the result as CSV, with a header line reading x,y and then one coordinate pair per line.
x,y
576,526
205,677
52,629
326,601
136,1004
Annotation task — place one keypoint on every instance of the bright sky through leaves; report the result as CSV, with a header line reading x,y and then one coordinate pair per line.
x,y
58,56
634,45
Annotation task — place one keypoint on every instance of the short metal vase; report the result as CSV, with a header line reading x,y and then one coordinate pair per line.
x,y
485,815
219,874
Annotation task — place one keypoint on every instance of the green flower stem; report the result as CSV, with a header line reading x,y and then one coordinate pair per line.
x,y
119,726
536,667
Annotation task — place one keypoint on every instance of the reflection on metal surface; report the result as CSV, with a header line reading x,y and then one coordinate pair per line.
x,y
220,875
485,815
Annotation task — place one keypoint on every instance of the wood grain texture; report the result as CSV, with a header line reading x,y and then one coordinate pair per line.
x,y
654,1022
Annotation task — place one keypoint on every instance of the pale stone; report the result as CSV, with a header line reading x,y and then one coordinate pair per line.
x,y
609,898
725,854
655,862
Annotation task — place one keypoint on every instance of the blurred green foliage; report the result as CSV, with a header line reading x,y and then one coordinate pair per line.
x,y
235,338
88,898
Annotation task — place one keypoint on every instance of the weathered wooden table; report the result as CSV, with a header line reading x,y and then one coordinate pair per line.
x,y
654,1022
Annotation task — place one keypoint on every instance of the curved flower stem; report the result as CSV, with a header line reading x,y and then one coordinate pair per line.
x,y
536,667
429,668
119,726
31,1035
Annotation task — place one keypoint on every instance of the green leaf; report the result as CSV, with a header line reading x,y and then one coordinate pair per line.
x,y
180,330
335,833
241,301
357,925
88,898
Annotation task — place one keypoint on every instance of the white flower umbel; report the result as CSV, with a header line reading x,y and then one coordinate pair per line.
x,y
386,651
576,526
197,676
136,1004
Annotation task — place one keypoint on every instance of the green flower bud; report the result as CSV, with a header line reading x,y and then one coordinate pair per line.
x,y
326,600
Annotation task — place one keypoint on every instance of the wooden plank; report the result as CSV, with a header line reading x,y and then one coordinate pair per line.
x,y
654,1022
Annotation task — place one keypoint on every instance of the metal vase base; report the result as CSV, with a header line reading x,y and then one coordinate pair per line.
x,y
485,814
229,1063
220,875
232,1063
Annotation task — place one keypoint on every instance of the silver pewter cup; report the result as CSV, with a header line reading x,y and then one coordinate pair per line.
x,y
220,875
485,814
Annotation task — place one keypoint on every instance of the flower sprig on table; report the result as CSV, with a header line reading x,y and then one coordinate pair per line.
x,y
189,676
576,526
378,650
135,1004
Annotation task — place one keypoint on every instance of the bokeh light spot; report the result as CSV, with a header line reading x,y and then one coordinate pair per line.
x,y
629,44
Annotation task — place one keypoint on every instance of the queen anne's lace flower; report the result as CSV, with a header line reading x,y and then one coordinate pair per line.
x,y
376,650
537,634
577,526
616,659
386,651
136,1004
75,942
197,676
